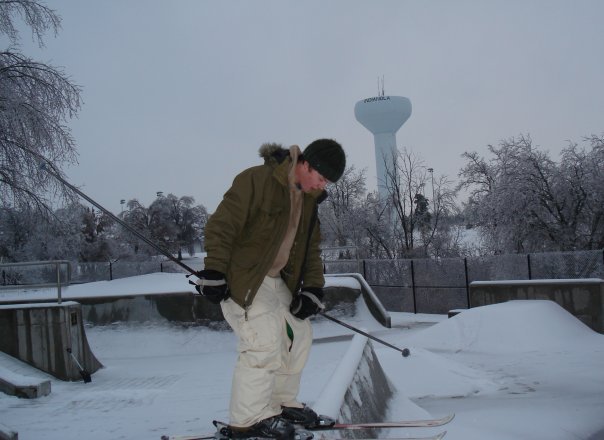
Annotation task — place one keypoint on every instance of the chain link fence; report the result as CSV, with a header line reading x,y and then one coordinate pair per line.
x,y
44,273
35,273
415,285
440,285
89,272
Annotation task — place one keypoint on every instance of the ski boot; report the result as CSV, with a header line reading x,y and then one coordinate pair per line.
x,y
272,428
306,417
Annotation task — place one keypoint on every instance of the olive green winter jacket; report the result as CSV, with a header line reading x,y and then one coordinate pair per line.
x,y
244,234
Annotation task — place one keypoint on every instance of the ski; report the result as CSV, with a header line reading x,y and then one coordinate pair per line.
x,y
188,437
438,436
300,434
423,423
303,434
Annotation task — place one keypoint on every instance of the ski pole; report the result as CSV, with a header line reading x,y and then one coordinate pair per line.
x,y
117,219
85,374
405,351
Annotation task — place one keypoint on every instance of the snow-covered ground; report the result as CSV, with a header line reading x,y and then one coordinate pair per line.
x,y
519,370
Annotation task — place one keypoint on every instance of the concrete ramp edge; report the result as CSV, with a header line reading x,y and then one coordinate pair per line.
x,y
358,389
7,433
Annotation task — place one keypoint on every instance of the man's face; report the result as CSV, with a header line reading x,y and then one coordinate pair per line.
x,y
309,179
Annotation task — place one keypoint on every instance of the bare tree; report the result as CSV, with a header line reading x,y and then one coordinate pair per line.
x,y
406,179
36,100
523,201
411,222
440,236
36,15
341,218
379,230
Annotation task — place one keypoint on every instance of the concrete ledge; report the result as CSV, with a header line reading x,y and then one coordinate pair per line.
x,y
7,433
21,386
41,334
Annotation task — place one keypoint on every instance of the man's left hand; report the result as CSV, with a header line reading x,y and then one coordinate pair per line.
x,y
212,285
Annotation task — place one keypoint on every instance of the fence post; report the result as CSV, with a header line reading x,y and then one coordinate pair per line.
x,y
528,261
365,269
413,288
110,271
59,299
465,264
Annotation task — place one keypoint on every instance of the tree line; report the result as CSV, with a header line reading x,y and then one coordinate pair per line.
x,y
519,199
80,233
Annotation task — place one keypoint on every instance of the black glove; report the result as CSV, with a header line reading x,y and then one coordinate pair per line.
x,y
307,302
211,285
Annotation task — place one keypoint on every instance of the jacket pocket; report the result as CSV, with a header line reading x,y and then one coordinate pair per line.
x,y
259,333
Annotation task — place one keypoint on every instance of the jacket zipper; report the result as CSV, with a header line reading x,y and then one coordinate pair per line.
x,y
313,220
245,304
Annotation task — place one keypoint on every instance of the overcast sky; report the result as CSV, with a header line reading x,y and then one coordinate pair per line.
x,y
178,95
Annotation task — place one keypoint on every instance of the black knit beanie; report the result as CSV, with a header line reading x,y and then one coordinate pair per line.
x,y
327,157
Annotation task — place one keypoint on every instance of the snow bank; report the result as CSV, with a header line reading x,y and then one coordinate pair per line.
x,y
440,377
514,326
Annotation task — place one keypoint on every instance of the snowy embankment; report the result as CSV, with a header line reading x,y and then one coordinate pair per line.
x,y
520,370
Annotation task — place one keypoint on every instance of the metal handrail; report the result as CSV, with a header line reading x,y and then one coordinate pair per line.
x,y
374,304
59,283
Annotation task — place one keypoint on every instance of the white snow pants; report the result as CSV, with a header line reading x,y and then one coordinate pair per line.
x,y
269,367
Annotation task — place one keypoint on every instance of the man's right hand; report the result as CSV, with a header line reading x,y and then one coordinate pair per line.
x,y
212,285
307,303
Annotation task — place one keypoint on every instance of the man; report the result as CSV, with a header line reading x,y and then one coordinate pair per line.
x,y
263,266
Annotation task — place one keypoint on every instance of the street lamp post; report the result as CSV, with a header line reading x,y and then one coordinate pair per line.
x,y
431,171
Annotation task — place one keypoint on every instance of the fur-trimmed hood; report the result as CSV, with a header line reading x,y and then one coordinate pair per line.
x,y
273,153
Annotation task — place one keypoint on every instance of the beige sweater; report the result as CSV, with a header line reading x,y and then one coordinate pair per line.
x,y
295,212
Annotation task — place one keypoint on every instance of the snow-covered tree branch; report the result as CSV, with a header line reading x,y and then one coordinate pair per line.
x,y
36,101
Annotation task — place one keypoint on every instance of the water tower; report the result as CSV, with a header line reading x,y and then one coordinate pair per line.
x,y
383,116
